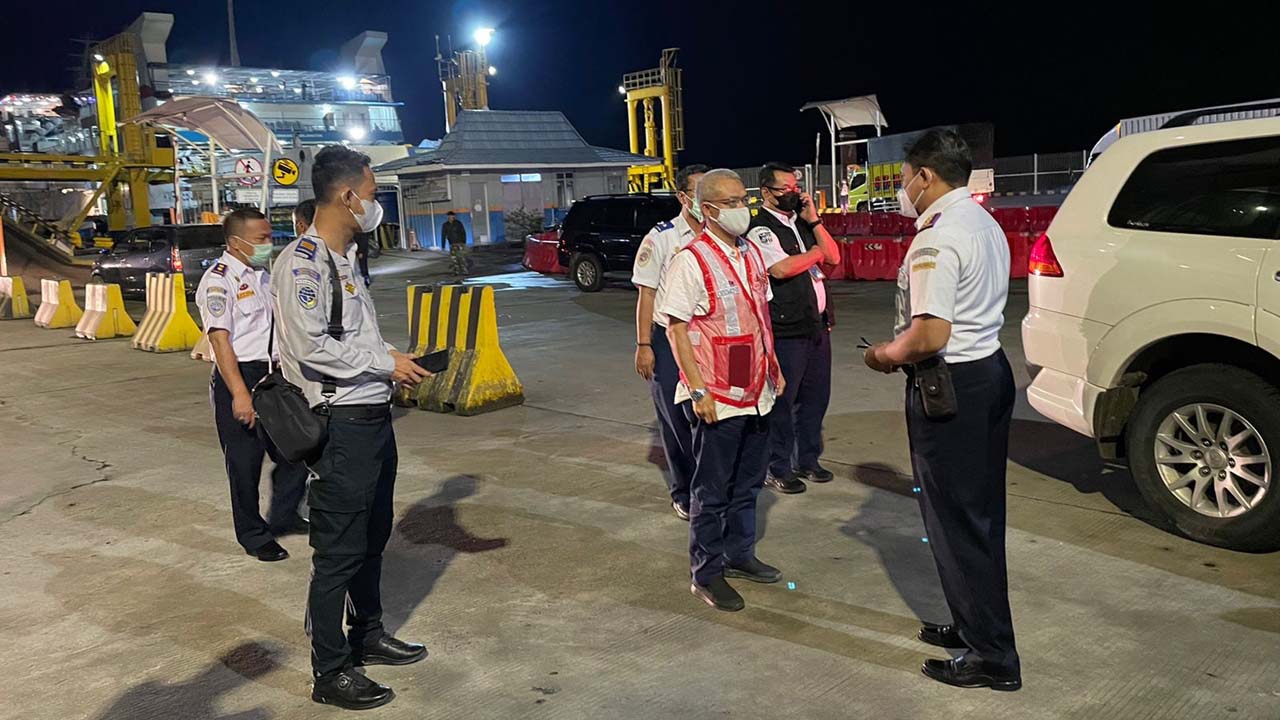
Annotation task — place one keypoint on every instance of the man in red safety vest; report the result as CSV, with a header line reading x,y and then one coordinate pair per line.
x,y
716,298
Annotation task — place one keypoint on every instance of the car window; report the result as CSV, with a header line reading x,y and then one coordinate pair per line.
x,y
583,214
200,237
619,215
141,241
1229,188
651,214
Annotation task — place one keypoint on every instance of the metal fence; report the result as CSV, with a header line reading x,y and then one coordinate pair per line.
x,y
1041,173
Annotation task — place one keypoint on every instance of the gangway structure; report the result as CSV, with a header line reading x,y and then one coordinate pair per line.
x,y
664,85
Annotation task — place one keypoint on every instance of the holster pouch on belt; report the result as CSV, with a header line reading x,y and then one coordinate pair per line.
x,y
937,393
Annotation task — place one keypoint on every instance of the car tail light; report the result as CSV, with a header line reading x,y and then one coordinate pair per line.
x,y
175,260
1043,261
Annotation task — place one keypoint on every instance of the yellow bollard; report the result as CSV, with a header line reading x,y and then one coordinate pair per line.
x,y
13,299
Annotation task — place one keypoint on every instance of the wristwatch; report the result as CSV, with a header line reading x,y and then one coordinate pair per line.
x,y
697,395
814,224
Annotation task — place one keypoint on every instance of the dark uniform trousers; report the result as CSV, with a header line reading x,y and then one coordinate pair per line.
x,y
673,426
351,518
796,428
243,449
959,465
731,457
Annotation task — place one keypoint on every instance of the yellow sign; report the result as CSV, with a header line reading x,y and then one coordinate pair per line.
x,y
285,171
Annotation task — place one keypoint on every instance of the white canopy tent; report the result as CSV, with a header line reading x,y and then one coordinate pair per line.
x,y
847,113
226,124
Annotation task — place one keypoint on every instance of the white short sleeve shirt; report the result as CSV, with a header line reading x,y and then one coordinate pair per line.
x,y
656,251
957,269
764,239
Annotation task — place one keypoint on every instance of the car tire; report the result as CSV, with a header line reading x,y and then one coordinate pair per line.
x,y
1172,482
587,272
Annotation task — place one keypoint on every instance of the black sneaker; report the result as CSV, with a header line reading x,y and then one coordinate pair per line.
x,y
351,691
787,485
719,595
755,571
817,474
681,510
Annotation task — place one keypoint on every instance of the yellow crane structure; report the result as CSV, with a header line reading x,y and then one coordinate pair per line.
x,y
130,157
464,78
663,85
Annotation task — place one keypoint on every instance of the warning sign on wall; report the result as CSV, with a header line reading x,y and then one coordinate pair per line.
x,y
285,171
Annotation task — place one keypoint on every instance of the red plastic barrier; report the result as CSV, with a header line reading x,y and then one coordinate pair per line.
x,y
885,224
1013,220
1019,253
858,224
876,258
541,254
1041,217
906,225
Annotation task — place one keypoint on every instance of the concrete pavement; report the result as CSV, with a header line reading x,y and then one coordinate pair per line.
x,y
537,558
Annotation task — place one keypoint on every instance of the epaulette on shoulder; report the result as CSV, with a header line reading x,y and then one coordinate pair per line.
x,y
219,270
664,225
306,249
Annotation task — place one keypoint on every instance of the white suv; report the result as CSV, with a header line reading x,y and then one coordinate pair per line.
x,y
1154,323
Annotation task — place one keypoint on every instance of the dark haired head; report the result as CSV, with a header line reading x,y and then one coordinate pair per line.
x,y
233,223
451,214
687,172
306,211
768,172
943,151
336,167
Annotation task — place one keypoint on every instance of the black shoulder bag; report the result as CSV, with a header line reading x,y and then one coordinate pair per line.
x,y
298,431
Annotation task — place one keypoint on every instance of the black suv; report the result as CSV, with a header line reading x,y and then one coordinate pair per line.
x,y
602,233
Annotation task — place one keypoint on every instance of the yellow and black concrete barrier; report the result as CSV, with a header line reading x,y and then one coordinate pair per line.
x,y
463,319
13,299
104,314
58,308
167,325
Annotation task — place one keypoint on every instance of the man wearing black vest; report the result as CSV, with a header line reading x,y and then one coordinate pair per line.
x,y
791,237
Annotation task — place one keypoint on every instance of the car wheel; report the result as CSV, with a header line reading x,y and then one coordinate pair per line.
x,y
1203,445
588,272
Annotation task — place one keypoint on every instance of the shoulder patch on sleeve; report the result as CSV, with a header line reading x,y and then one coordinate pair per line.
x,y
217,305
307,291
931,222
761,234
664,225
923,253
646,253
306,249
219,270
307,272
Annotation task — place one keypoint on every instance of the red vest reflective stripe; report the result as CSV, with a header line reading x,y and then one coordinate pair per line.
x,y
733,342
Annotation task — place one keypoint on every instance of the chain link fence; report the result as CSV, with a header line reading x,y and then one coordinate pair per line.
x,y
1041,173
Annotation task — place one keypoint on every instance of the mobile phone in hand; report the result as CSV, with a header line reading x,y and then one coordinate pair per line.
x,y
435,362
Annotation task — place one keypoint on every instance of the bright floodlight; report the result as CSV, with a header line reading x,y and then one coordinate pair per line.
x,y
190,71
98,57
210,79
347,82
275,73
253,79
356,133
622,90
493,70
483,36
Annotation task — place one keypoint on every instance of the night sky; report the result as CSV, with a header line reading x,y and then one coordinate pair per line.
x,y
1052,81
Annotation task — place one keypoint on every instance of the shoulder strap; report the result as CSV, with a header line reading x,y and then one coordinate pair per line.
x,y
329,387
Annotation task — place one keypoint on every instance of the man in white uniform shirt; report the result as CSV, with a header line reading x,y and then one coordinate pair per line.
x,y
654,360
235,309
715,296
952,290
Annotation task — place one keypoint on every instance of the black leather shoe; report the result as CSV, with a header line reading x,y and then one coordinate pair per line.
x,y
388,651
271,552
297,525
682,511
789,485
755,571
965,673
351,691
719,595
943,636
817,474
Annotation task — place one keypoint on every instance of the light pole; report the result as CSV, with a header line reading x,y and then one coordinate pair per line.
x,y
483,36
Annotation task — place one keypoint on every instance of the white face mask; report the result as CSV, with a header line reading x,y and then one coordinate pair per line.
x,y
907,206
372,216
735,221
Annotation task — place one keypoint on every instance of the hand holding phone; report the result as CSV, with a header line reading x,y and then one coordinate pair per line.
x,y
435,362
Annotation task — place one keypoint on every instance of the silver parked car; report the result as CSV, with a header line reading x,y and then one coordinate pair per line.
x,y
186,249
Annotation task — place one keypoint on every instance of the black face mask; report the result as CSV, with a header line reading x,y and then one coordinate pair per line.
x,y
789,202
